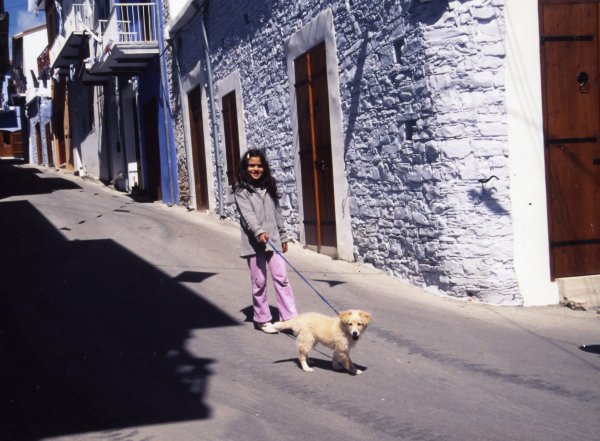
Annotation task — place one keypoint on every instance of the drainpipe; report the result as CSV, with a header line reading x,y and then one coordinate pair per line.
x,y
213,118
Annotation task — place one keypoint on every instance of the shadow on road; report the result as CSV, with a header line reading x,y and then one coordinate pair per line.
x,y
91,336
16,181
591,349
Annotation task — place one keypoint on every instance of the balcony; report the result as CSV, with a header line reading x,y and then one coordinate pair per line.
x,y
129,40
70,46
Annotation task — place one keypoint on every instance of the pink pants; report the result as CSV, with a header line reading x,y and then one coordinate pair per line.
x,y
283,291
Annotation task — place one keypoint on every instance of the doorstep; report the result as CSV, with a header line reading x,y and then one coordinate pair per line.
x,y
581,293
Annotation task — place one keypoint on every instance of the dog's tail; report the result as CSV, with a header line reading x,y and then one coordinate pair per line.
x,y
286,325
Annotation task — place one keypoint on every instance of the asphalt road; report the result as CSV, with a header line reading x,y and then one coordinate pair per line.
x,y
122,320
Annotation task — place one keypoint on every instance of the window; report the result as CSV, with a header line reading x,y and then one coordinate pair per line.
x,y
398,49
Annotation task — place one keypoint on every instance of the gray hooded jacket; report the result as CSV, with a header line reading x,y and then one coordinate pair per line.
x,y
259,214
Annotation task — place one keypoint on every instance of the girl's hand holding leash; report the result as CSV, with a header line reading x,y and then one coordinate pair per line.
x,y
264,239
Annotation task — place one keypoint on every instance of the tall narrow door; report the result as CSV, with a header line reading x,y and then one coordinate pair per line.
x,y
67,133
153,177
49,149
49,146
570,56
38,144
312,99
58,110
198,151
6,147
16,140
232,138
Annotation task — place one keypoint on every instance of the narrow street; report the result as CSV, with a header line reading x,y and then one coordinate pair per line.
x,y
122,320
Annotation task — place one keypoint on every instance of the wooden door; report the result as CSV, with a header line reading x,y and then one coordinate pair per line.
x,y
153,185
38,144
16,139
6,147
232,139
49,141
198,150
312,99
49,147
58,110
570,57
67,134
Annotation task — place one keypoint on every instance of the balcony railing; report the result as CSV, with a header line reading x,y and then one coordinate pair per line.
x,y
131,23
78,18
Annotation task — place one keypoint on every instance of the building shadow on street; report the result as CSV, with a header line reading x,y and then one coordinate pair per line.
x,y
18,181
92,337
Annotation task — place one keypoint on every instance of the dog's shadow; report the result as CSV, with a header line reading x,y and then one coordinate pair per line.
x,y
320,364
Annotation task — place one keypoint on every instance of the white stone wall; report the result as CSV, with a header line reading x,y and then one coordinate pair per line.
x,y
423,100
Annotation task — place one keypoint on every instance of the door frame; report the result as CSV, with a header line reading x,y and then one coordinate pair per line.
x,y
198,150
231,83
318,30
531,248
186,84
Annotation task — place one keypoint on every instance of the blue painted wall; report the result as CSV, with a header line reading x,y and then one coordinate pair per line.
x,y
153,84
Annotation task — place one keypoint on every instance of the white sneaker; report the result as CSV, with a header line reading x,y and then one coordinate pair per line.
x,y
268,328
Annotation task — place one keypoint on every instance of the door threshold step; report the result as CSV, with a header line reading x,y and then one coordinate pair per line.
x,y
581,293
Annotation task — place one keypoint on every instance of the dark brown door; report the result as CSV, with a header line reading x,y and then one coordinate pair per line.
x,y
16,140
38,143
232,139
49,145
570,56
153,184
67,134
315,148
198,153
6,147
58,110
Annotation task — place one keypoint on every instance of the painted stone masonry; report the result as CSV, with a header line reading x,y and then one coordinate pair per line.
x,y
422,95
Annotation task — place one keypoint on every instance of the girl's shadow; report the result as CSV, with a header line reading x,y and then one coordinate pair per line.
x,y
248,312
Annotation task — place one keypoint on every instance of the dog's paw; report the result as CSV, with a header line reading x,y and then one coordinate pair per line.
x,y
308,369
358,372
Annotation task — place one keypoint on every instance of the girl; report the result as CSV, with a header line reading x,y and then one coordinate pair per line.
x,y
257,201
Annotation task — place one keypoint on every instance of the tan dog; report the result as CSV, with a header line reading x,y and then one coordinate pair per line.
x,y
339,333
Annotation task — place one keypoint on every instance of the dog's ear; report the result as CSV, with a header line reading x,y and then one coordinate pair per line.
x,y
345,315
365,316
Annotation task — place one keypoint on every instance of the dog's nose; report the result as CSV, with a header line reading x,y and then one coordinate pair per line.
x,y
355,334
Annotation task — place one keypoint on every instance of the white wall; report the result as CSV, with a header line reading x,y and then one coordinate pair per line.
x,y
33,45
526,145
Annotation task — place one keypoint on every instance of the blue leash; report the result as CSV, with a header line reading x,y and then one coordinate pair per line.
x,y
301,276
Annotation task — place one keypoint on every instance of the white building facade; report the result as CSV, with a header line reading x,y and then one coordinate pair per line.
x,y
408,135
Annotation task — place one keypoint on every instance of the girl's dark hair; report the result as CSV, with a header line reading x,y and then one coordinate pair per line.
x,y
267,181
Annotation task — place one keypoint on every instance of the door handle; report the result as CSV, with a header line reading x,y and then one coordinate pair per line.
x,y
320,165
